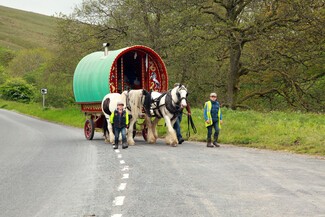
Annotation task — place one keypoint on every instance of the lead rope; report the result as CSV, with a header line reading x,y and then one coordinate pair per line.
x,y
190,122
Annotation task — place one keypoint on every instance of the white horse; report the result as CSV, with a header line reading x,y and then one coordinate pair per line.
x,y
134,101
168,106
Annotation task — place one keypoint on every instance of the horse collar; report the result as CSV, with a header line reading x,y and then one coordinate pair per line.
x,y
169,104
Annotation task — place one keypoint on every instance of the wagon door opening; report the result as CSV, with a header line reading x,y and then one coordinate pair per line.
x,y
129,70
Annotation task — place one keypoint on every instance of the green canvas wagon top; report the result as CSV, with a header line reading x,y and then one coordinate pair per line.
x,y
135,67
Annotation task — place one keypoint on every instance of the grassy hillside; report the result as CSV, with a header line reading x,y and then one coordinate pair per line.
x,y
21,29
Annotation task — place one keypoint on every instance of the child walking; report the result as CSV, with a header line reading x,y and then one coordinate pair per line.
x,y
120,121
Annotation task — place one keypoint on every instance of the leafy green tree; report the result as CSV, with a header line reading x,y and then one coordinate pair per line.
x,y
255,54
242,22
17,89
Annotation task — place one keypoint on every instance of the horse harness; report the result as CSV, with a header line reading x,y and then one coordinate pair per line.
x,y
156,102
175,110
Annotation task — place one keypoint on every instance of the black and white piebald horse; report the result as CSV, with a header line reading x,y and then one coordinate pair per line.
x,y
168,106
135,101
109,104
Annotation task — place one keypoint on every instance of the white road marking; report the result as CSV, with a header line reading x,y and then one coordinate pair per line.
x,y
125,176
122,187
118,201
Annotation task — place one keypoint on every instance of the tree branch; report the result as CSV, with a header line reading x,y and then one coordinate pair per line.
x,y
260,94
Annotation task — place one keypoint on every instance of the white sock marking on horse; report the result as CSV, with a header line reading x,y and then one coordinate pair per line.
x,y
122,187
119,156
117,215
118,201
125,176
125,168
122,162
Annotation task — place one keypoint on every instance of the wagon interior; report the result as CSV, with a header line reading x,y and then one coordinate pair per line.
x,y
129,68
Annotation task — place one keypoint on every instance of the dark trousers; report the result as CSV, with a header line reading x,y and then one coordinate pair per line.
x,y
215,125
177,126
117,132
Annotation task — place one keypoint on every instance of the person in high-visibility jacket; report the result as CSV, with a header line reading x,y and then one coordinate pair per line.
x,y
213,119
120,121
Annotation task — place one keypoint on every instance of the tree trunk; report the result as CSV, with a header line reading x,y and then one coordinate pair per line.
x,y
233,76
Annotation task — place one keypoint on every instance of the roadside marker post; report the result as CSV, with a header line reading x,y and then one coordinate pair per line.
x,y
43,92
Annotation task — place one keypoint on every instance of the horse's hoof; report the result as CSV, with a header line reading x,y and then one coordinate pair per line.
x,y
152,141
131,142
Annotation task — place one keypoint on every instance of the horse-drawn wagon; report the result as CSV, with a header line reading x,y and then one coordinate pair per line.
x,y
114,71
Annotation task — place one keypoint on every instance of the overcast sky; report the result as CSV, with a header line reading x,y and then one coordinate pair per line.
x,y
47,7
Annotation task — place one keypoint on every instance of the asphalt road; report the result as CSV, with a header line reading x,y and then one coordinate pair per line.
x,y
50,170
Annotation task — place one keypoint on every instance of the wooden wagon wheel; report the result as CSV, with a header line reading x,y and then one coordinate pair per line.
x,y
89,129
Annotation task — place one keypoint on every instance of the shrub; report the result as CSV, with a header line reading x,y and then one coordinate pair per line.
x,y
17,89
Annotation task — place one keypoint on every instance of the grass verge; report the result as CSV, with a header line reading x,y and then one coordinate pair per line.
x,y
295,132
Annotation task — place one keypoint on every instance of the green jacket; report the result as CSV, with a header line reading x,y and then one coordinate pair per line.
x,y
207,114
119,120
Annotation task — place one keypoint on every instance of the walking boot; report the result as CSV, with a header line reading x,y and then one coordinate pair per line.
x,y
209,144
124,146
115,146
180,141
215,143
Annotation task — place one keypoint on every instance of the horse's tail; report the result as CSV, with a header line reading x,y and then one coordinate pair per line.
x,y
147,101
105,126
106,106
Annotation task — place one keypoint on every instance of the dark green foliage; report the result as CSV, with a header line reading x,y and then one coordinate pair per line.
x,y
17,90
261,55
